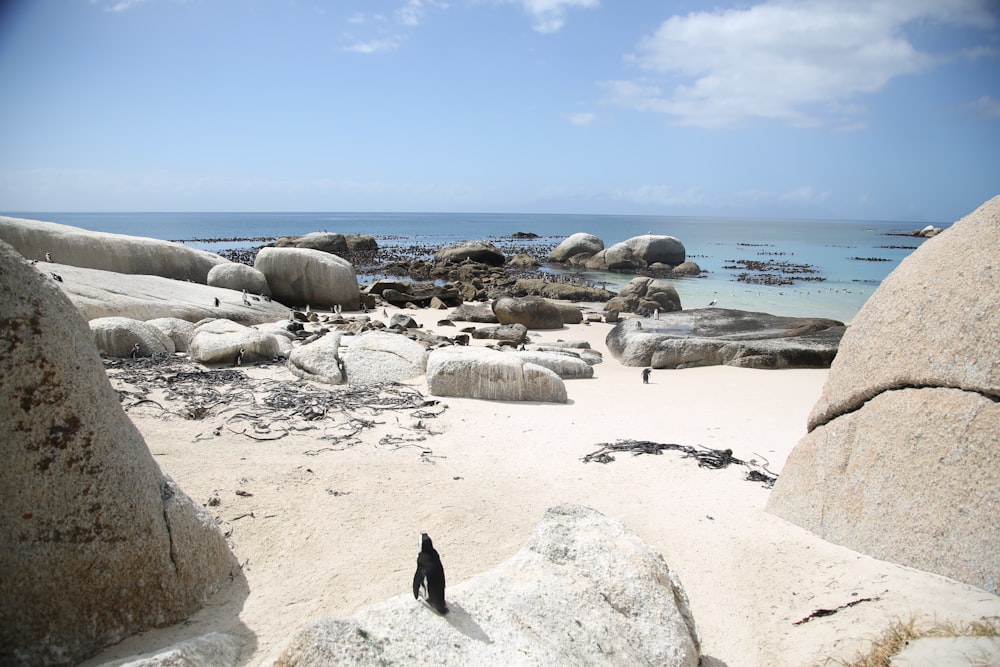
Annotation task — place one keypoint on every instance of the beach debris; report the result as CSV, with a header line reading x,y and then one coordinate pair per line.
x,y
819,613
267,409
716,459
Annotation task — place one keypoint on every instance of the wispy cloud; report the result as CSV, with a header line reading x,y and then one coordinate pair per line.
x,y
581,118
986,107
390,31
802,63
117,5
550,15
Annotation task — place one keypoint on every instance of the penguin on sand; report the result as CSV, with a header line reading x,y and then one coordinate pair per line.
x,y
135,350
645,375
429,576
238,361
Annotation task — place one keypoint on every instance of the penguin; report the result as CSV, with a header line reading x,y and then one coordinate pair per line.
x,y
48,257
135,350
239,357
217,302
246,301
645,375
429,575
56,277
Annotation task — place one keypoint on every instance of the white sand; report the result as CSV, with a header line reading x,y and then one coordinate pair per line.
x,y
335,531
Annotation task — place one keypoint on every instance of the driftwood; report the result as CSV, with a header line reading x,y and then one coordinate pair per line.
x,y
715,459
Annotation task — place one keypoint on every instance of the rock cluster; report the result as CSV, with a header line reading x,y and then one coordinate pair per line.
x,y
646,296
901,461
655,252
106,544
300,277
585,590
331,242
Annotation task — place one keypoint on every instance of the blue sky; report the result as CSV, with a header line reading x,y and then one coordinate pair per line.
x,y
856,109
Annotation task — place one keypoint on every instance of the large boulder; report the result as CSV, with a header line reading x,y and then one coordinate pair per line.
x,y
901,461
109,252
585,590
476,251
471,312
239,277
302,277
533,312
576,245
98,543
177,330
639,252
477,372
98,293
376,357
719,336
319,361
567,365
219,342
122,337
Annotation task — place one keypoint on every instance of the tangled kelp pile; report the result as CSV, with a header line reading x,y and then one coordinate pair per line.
x,y
715,459
269,409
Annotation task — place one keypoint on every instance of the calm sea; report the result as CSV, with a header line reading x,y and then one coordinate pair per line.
x,y
841,252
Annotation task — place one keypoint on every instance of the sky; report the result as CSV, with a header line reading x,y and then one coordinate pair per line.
x,y
820,109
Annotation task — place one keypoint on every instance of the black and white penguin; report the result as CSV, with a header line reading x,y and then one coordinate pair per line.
x,y
135,350
238,361
48,257
429,576
217,302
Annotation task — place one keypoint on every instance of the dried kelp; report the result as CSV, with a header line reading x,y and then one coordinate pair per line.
x,y
715,459
263,409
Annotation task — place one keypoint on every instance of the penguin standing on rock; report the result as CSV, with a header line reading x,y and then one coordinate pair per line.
x,y
238,361
429,576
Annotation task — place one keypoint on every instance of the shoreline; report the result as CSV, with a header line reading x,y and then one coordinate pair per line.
x,y
334,531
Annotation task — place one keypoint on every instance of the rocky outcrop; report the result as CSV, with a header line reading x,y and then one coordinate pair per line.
x,y
646,296
121,337
330,242
105,294
718,336
99,543
477,372
301,277
476,251
108,252
533,312
376,357
319,361
901,461
561,291
639,252
239,277
585,590
402,293
212,650
219,342
581,245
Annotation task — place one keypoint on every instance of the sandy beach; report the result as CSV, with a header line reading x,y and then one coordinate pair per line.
x,y
323,530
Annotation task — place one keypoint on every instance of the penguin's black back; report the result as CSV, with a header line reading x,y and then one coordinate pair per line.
x,y
430,575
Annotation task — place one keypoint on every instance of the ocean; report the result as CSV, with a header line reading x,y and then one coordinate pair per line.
x,y
844,261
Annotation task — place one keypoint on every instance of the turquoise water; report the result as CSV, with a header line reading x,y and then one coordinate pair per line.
x,y
827,246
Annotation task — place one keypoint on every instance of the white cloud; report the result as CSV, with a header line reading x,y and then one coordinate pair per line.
x,y
550,15
581,118
412,12
797,62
